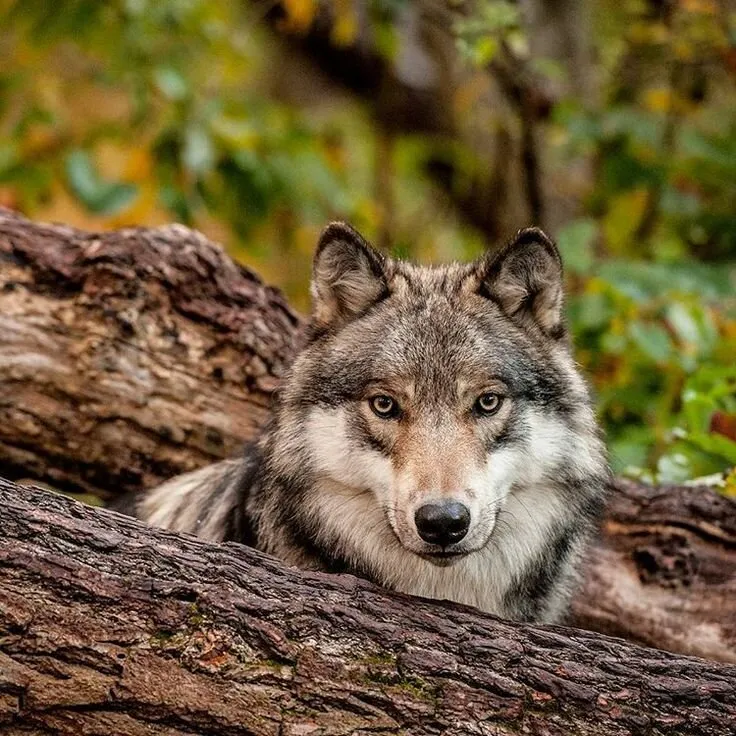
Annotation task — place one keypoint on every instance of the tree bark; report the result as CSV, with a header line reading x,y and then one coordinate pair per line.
x,y
110,627
128,357
664,571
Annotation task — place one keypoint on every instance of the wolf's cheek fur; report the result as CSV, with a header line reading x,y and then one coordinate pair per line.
x,y
340,457
336,455
450,466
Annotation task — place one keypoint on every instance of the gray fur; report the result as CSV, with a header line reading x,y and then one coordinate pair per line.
x,y
332,486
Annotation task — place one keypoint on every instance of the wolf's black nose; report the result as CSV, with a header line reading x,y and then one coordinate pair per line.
x,y
442,523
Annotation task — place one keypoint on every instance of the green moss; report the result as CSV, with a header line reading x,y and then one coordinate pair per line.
x,y
159,638
196,616
383,658
414,686
417,688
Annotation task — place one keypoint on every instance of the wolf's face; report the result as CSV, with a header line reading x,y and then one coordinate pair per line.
x,y
435,393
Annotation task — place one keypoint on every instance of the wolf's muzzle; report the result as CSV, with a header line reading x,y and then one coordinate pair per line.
x,y
442,523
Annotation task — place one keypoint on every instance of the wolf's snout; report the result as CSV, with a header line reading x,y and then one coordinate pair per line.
x,y
442,523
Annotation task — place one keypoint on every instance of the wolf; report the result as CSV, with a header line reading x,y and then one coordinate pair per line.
x,y
432,435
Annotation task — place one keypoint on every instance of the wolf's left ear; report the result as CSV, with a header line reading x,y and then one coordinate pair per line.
x,y
525,280
348,276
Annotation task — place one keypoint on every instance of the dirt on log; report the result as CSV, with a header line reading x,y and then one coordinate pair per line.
x,y
111,627
130,356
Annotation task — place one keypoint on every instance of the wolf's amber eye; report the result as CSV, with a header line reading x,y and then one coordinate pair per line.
x,y
488,403
384,406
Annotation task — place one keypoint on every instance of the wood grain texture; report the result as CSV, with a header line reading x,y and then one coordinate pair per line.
x,y
110,627
664,572
128,357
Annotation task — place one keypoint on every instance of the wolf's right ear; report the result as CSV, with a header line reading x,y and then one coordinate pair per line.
x,y
348,276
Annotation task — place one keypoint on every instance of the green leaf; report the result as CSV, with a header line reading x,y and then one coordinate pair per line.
x,y
8,156
675,467
684,324
697,410
716,444
198,153
485,50
99,196
171,83
652,340
630,451
591,311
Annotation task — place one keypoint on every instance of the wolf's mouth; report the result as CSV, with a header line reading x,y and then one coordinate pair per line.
x,y
444,557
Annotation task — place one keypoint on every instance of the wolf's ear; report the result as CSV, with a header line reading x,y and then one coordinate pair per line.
x,y
525,280
348,276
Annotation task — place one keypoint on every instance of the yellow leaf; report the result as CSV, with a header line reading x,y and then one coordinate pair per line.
x,y
596,285
138,165
345,28
683,49
658,99
623,217
299,14
368,212
730,487
305,236
40,139
141,209
648,32
236,133
705,7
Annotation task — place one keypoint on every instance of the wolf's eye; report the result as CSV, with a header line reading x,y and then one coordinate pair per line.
x,y
488,403
384,406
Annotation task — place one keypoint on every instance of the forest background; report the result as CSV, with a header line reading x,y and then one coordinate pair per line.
x,y
436,127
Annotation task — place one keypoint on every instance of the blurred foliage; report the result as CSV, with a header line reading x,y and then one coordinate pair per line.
x,y
139,112
659,340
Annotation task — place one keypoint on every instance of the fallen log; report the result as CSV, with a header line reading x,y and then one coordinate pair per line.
x,y
111,627
664,572
130,356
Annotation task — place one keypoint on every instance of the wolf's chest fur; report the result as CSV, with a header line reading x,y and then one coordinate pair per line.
x,y
526,571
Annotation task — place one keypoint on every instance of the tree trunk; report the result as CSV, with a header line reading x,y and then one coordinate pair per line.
x,y
128,357
110,627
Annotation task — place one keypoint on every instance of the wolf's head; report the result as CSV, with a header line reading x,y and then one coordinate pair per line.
x,y
437,392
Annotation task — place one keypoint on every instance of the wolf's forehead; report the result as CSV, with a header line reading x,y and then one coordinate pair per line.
x,y
411,280
434,339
